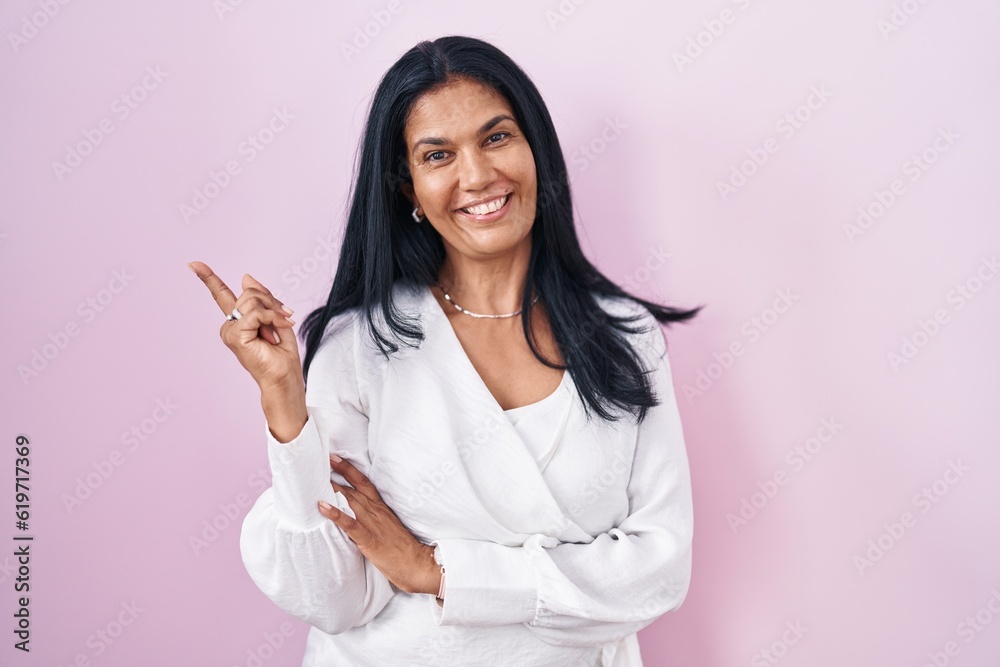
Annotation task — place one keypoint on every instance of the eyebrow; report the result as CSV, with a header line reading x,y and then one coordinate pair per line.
x,y
439,141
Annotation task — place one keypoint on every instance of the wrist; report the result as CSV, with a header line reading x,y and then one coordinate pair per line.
x,y
285,411
292,385
430,572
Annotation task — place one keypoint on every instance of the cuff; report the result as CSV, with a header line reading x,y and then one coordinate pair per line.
x,y
487,584
300,470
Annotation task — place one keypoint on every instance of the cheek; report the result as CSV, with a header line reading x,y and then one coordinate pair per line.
x,y
432,192
521,168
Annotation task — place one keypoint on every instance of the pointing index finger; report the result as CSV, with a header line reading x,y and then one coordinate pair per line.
x,y
222,294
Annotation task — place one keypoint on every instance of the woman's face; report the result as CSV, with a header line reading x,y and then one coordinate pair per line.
x,y
464,148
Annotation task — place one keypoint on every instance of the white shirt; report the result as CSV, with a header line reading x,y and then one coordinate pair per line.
x,y
561,538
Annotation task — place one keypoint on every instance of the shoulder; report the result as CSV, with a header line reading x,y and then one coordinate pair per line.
x,y
337,347
408,296
647,337
342,326
348,335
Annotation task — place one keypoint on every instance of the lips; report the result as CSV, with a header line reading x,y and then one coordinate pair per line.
x,y
487,207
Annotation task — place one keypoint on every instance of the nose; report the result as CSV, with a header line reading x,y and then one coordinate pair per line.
x,y
476,171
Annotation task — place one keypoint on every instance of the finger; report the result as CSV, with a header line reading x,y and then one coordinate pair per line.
x,y
266,331
255,297
255,321
252,304
351,494
264,323
355,477
332,513
252,300
222,294
249,282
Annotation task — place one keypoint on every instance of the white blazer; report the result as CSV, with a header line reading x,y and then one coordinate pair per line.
x,y
556,554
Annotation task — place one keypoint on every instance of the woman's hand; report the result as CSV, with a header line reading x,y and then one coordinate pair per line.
x,y
272,359
380,536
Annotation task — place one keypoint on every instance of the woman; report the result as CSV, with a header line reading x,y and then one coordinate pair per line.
x,y
510,485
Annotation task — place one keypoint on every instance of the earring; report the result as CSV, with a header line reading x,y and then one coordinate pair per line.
x,y
415,216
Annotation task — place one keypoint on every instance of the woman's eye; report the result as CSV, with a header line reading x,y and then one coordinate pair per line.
x,y
494,138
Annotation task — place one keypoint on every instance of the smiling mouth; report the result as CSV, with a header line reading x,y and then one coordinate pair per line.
x,y
488,207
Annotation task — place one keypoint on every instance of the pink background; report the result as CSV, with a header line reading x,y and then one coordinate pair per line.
x,y
661,137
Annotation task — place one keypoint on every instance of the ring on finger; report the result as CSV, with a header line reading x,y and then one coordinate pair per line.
x,y
235,315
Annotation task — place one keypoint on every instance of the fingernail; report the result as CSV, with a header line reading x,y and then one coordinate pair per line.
x,y
277,339
325,505
192,269
336,458
288,311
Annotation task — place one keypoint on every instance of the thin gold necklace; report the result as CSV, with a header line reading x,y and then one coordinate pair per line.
x,y
470,313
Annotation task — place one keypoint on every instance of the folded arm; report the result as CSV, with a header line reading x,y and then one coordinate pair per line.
x,y
591,594
297,557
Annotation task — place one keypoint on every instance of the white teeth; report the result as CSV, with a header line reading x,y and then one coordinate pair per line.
x,y
489,207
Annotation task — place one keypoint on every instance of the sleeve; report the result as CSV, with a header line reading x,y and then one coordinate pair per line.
x,y
592,594
304,562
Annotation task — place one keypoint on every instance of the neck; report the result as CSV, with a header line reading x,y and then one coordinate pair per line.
x,y
492,286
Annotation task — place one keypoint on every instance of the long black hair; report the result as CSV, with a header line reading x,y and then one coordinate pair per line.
x,y
382,244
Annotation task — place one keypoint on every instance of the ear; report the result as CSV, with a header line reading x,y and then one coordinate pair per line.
x,y
407,189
